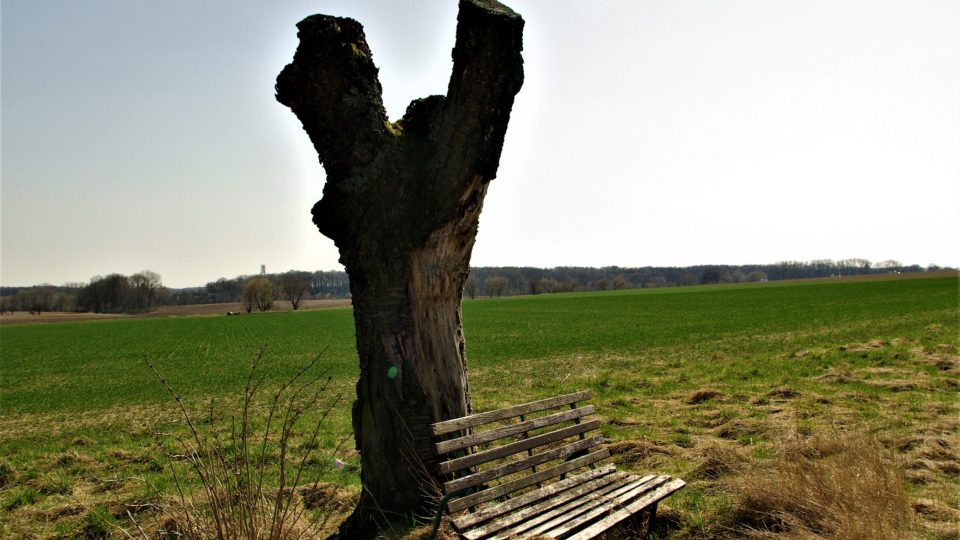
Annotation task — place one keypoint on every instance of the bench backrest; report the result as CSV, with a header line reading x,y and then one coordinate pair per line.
x,y
504,453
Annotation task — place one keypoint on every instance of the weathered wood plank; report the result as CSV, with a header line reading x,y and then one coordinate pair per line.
x,y
458,424
521,464
632,508
512,429
545,492
590,509
521,526
499,452
509,487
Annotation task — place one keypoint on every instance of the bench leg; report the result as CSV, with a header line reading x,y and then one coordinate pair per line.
x,y
650,519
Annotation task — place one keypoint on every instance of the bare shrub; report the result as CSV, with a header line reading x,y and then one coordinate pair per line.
x,y
251,480
843,488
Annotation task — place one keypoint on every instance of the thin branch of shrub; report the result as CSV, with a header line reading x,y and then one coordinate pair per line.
x,y
238,502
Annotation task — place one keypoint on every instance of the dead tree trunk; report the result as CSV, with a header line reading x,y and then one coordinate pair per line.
x,y
402,202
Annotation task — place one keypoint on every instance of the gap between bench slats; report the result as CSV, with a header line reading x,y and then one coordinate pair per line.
x,y
529,480
458,424
512,429
499,452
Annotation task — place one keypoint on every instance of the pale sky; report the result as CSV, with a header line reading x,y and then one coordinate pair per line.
x,y
145,135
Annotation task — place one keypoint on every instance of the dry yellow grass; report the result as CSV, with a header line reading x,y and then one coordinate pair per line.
x,y
841,487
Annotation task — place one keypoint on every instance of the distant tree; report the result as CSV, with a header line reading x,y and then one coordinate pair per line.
x,y
258,292
248,298
109,294
143,290
219,291
710,275
549,285
163,296
534,286
738,276
183,297
602,284
655,282
687,278
495,285
471,287
620,282
756,275
294,285
570,285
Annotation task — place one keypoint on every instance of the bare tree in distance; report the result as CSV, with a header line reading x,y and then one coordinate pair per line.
x,y
402,202
258,292
471,287
294,285
144,286
495,285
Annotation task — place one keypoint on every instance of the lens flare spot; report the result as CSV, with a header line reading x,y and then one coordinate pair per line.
x,y
392,372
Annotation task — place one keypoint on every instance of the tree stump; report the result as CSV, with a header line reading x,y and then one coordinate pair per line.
x,y
402,202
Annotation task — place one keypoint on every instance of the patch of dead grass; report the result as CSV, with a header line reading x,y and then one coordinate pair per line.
x,y
871,345
702,395
783,392
633,452
935,510
328,497
711,418
716,461
742,427
845,488
897,385
839,375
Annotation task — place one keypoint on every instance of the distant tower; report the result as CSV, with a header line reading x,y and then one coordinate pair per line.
x,y
263,269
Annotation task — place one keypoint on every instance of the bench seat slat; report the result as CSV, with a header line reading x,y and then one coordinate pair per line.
x,y
571,508
512,429
634,507
499,452
458,424
595,506
521,464
469,520
526,481
534,514
614,505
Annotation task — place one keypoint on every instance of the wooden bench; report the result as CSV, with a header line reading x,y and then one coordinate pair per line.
x,y
533,470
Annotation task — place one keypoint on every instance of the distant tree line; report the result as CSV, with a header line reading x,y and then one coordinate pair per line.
x,y
114,293
511,280
294,286
39,298
144,291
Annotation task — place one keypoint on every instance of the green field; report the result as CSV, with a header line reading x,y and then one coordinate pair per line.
x,y
677,373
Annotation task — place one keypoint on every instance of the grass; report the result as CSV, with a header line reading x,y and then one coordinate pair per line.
x,y
714,384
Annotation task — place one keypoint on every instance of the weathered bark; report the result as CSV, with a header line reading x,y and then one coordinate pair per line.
x,y
402,203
